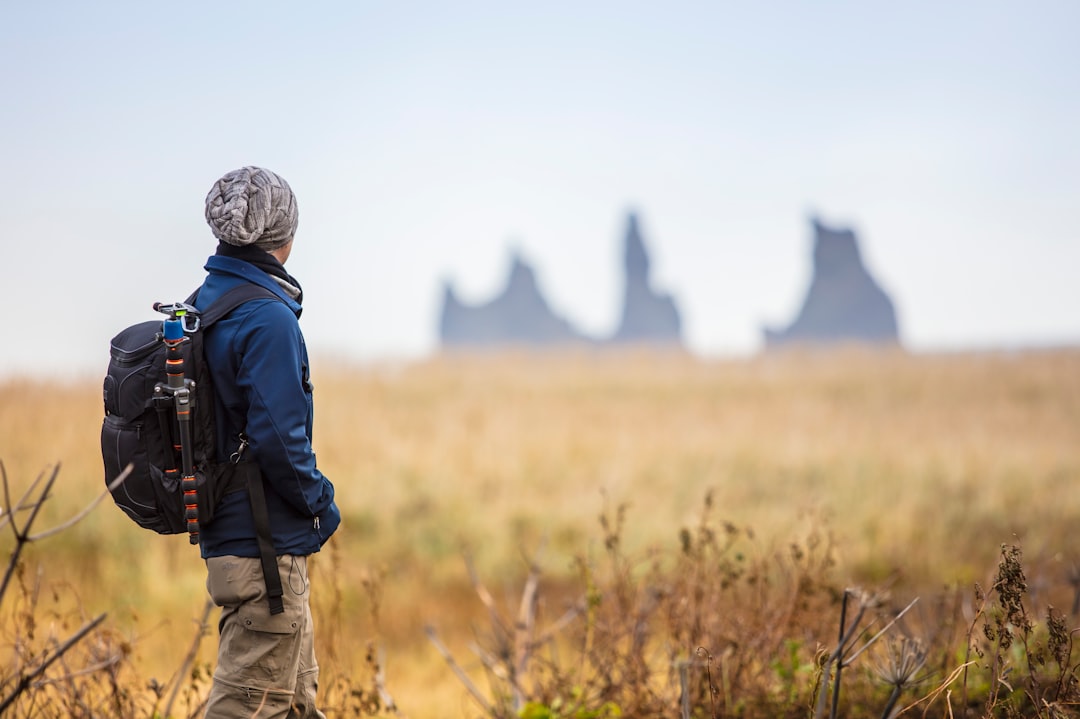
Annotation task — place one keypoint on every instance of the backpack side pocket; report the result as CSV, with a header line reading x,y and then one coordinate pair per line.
x,y
144,495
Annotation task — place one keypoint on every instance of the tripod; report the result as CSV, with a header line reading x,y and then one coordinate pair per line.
x,y
178,392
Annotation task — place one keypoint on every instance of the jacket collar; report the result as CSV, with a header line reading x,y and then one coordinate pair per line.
x,y
266,262
232,267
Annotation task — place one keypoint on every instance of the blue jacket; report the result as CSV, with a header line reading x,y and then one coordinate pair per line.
x,y
259,365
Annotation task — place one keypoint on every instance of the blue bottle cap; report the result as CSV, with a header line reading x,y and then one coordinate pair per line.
x,y
173,330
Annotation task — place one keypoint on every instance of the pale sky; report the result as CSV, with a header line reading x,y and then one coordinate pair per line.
x,y
427,141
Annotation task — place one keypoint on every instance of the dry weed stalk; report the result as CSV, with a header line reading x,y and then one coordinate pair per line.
x,y
904,657
845,652
507,652
91,685
189,659
349,692
1026,662
32,666
641,639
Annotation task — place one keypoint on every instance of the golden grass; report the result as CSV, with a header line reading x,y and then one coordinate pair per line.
x,y
919,466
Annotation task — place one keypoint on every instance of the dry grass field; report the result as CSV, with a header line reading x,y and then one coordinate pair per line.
x,y
912,470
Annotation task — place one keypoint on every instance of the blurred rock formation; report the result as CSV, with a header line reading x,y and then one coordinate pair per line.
x,y
648,316
521,316
844,303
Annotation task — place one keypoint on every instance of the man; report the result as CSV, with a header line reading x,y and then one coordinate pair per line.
x,y
258,361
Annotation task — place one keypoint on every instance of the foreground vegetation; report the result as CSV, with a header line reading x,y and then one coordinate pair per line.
x,y
589,536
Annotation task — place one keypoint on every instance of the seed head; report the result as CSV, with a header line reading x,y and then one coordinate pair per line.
x,y
903,657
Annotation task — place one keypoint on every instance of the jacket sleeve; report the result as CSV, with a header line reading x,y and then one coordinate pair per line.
x,y
272,374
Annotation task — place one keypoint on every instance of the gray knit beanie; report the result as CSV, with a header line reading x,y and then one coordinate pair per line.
x,y
252,206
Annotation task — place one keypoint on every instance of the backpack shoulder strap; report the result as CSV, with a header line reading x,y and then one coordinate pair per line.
x,y
248,472
230,301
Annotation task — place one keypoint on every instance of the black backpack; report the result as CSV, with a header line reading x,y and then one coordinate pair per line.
x,y
142,427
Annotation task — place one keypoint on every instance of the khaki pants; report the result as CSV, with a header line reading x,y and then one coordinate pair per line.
x,y
266,665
